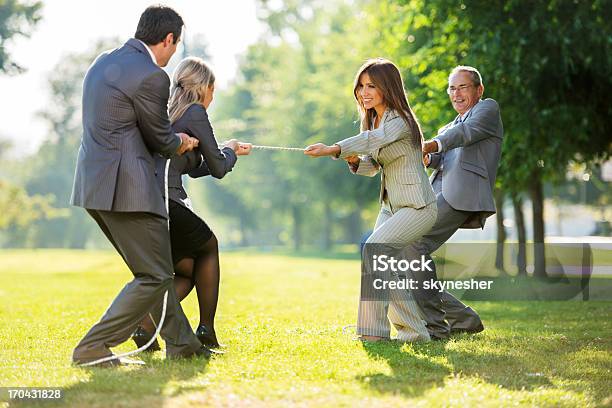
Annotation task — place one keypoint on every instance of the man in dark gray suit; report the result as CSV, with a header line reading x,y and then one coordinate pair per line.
x,y
125,122
465,155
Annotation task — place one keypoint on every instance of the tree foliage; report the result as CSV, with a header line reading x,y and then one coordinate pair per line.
x,y
16,19
547,63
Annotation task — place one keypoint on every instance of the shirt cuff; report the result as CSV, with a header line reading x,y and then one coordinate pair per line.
x,y
180,143
342,154
439,144
337,155
229,152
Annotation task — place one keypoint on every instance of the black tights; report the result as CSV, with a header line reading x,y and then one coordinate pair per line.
x,y
203,272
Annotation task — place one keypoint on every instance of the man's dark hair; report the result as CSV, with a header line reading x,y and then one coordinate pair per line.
x,y
156,23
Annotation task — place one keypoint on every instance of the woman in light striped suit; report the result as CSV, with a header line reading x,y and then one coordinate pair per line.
x,y
390,143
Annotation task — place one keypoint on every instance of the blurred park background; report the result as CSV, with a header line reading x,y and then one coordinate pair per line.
x,y
289,83
284,72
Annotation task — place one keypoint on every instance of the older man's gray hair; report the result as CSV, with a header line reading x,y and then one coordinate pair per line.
x,y
476,77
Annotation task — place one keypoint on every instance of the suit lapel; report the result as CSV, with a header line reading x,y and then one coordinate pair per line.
x,y
452,124
382,121
375,156
442,130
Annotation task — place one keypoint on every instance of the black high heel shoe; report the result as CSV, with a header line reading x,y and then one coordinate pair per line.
x,y
141,337
207,337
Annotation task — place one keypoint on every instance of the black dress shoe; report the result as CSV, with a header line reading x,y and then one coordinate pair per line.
x,y
203,351
142,337
207,337
439,337
471,330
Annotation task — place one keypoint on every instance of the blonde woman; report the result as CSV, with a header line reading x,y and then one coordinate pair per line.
x,y
195,251
390,143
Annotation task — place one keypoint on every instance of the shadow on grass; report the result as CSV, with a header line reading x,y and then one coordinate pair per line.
x,y
136,385
523,358
412,374
420,367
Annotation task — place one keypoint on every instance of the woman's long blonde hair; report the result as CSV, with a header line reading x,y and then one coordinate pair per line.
x,y
190,83
385,75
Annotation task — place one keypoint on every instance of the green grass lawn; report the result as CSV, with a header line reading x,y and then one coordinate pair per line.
x,y
282,317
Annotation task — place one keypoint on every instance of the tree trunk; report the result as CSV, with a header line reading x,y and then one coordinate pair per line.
x,y
537,202
501,230
519,219
297,227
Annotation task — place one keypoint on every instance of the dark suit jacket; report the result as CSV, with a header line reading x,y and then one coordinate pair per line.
x,y
125,120
208,159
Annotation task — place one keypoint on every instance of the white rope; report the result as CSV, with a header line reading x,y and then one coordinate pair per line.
x,y
291,149
165,303
131,353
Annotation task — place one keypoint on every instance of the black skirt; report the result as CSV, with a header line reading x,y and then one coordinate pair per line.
x,y
188,232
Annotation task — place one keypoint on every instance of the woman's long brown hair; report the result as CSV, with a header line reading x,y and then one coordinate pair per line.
x,y
385,75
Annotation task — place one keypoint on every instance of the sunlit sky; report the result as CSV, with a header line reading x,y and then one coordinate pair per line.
x,y
67,27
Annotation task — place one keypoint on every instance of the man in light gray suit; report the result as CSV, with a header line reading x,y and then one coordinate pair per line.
x,y
125,121
465,155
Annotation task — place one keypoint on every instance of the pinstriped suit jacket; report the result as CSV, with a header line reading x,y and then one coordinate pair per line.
x,y
395,152
125,121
